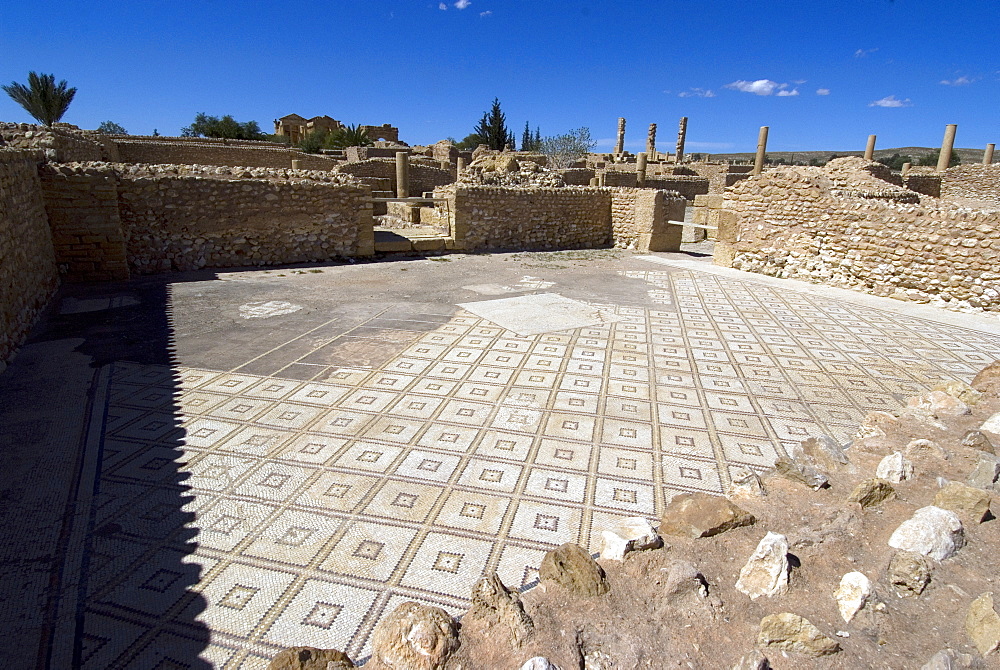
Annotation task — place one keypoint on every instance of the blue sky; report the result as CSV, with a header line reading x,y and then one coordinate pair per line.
x,y
823,74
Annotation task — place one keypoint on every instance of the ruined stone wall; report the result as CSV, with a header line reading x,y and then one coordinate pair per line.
x,y
926,184
28,274
242,154
976,181
192,219
576,176
848,228
58,143
108,219
422,177
719,175
497,217
687,186
81,200
639,219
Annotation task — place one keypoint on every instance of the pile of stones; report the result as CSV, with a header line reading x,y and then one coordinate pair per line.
x,y
906,505
504,169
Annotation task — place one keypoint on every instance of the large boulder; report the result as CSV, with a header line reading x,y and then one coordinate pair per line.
x,y
931,531
571,567
790,632
766,572
415,637
702,515
310,658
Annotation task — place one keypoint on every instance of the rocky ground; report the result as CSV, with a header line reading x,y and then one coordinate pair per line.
x,y
880,555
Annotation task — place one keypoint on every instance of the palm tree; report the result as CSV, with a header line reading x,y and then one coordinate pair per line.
x,y
348,136
43,98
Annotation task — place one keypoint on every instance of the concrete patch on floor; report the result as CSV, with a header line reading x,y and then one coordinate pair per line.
x,y
265,310
541,313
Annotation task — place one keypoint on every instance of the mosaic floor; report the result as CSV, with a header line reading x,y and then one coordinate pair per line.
x,y
314,506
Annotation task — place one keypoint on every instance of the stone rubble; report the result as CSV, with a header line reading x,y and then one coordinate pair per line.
x,y
629,535
853,593
932,532
766,572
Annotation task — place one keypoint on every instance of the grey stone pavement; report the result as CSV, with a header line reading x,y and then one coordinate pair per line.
x,y
200,469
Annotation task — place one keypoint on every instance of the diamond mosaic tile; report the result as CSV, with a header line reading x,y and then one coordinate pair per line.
x,y
314,507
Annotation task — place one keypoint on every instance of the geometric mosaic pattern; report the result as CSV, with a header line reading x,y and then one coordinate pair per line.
x,y
318,505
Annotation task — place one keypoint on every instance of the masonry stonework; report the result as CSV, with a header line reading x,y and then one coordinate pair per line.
x,y
843,226
28,274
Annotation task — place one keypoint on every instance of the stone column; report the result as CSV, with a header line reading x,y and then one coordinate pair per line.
x,y
460,165
600,180
758,161
681,136
640,170
620,144
870,149
402,174
651,141
988,154
445,165
594,181
947,144
906,169
296,164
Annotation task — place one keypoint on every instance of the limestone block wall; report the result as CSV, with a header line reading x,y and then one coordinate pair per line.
x,y
639,219
197,219
498,217
818,225
688,186
110,219
28,274
422,177
576,176
81,201
179,151
58,143
981,182
926,184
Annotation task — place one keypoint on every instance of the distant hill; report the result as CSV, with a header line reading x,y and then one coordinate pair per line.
x,y
967,155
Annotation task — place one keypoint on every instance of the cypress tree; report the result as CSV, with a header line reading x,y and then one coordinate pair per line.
x,y
492,128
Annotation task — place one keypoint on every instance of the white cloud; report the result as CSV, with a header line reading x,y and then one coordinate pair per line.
x,y
486,13
822,91
798,82
696,93
861,53
758,87
960,81
890,101
443,7
462,4
763,87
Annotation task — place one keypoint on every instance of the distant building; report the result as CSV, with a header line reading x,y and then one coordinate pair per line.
x,y
296,127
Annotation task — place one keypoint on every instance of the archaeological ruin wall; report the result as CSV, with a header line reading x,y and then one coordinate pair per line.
x,y
487,218
180,151
423,178
171,217
974,181
842,226
28,273
58,143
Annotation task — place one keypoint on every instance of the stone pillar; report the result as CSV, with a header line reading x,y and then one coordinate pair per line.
x,y
758,161
445,165
620,143
906,169
296,164
947,144
640,170
681,136
402,174
460,165
651,142
870,149
594,181
600,180
988,154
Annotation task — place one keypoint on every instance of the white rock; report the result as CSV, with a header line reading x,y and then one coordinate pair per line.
x,y
766,573
920,448
991,426
539,663
852,594
939,403
932,531
894,468
631,534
